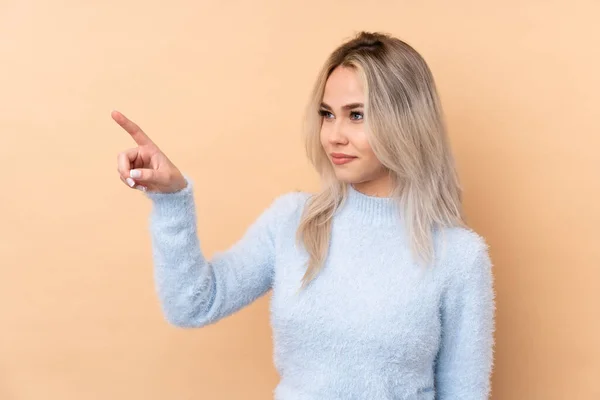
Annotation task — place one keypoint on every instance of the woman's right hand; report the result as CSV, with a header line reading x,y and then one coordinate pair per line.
x,y
146,167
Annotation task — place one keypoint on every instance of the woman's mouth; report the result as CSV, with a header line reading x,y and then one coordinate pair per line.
x,y
341,159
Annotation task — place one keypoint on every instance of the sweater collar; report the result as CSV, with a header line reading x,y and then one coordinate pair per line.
x,y
371,209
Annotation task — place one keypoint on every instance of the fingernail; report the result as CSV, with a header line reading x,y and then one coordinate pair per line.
x,y
130,182
134,173
142,188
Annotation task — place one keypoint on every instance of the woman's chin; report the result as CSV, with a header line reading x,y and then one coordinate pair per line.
x,y
345,177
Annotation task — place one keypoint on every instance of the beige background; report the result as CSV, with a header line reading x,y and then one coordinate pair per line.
x,y
221,86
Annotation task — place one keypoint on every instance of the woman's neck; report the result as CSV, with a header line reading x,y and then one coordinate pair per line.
x,y
380,187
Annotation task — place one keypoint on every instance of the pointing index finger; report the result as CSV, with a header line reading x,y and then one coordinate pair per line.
x,y
132,128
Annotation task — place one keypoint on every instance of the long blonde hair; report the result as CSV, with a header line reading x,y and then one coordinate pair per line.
x,y
407,133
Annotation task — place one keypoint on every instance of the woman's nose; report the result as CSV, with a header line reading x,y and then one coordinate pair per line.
x,y
337,135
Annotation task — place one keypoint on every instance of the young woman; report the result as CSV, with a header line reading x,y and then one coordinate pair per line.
x,y
380,290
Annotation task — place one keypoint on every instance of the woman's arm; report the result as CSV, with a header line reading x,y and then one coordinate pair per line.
x,y
465,359
194,291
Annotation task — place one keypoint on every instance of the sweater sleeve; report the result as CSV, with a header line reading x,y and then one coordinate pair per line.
x,y
194,291
464,362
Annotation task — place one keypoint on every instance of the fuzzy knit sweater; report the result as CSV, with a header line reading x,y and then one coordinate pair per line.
x,y
372,325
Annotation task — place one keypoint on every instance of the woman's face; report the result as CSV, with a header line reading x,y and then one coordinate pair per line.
x,y
343,135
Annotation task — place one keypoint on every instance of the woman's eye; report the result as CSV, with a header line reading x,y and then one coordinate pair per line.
x,y
355,115
325,114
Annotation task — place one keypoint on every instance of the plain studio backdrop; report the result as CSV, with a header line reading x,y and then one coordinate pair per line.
x,y
221,86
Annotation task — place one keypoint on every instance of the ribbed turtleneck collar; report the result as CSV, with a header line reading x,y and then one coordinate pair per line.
x,y
371,209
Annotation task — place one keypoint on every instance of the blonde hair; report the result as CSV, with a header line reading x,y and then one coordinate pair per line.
x,y
407,133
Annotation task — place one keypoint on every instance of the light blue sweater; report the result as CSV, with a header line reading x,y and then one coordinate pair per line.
x,y
372,326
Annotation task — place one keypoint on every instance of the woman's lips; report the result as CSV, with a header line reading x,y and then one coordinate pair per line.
x,y
341,159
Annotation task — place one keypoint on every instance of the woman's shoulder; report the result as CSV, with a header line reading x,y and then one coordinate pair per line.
x,y
462,248
463,237
289,203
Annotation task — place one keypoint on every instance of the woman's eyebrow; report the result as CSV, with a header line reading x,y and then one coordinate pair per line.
x,y
350,106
